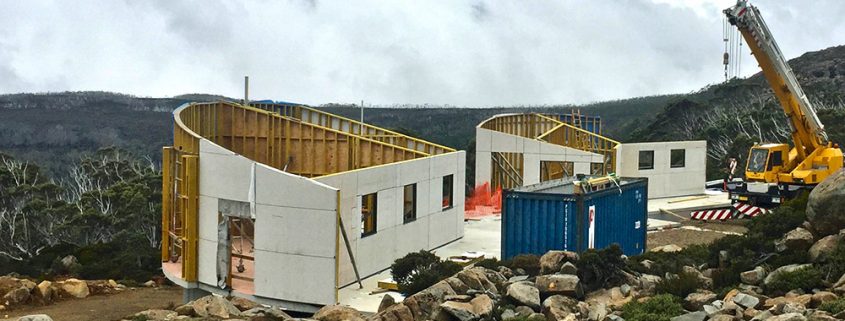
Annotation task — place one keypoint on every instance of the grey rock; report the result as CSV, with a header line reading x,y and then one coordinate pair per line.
x,y
482,305
458,298
386,301
17,296
569,268
787,317
782,269
826,205
821,250
457,285
460,310
214,306
648,282
525,293
696,300
186,310
552,261
523,311
505,271
692,316
722,317
518,278
647,264
565,284
508,314
36,317
476,278
670,248
747,288
745,300
753,277
156,315
625,289
558,307
597,312
799,239
765,315
338,313
711,309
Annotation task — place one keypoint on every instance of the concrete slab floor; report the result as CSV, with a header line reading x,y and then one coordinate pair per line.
x,y
710,199
483,236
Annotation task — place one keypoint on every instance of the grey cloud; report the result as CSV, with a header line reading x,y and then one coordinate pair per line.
x,y
470,52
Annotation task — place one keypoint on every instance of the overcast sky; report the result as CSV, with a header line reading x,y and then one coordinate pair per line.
x,y
464,53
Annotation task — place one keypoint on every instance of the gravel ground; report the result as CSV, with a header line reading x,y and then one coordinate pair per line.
x,y
104,307
695,232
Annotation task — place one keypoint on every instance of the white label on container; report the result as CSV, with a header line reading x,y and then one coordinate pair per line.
x,y
637,225
592,242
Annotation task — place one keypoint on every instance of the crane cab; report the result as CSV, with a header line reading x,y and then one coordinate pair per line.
x,y
765,162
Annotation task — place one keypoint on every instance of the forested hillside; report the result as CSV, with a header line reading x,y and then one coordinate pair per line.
x,y
733,115
55,129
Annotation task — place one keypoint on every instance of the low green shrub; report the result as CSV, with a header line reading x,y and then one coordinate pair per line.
x,y
834,307
489,263
601,268
661,307
806,279
528,262
419,270
680,286
834,267
788,216
662,262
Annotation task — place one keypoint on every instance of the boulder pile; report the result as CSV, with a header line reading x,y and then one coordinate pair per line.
x,y
15,292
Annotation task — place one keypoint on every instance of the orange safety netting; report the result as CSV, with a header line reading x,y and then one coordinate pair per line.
x,y
483,202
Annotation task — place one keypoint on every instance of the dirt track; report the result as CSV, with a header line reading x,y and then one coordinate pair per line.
x,y
696,232
103,307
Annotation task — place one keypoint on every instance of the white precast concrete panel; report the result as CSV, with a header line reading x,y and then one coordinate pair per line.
x,y
376,252
295,230
387,209
207,219
207,146
414,171
294,277
225,176
414,236
441,228
274,187
483,139
377,178
663,180
483,167
435,194
207,262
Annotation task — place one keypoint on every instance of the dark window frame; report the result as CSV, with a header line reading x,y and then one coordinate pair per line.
x,y
451,193
373,214
640,160
409,216
683,159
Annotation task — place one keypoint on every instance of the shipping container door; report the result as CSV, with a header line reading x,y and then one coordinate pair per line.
x,y
616,218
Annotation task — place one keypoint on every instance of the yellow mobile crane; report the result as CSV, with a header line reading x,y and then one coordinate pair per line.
x,y
777,171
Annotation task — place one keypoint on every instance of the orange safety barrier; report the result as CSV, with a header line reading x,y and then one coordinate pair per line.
x,y
483,203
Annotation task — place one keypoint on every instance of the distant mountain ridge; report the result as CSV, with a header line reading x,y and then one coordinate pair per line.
x,y
55,128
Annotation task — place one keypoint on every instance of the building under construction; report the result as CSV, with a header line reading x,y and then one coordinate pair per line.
x,y
284,204
515,150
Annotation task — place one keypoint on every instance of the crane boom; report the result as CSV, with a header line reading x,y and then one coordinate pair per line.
x,y
777,171
808,131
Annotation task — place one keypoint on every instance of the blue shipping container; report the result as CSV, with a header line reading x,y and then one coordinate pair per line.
x,y
550,216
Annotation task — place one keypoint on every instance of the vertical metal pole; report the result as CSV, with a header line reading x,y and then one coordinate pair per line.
x,y
246,90
362,111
